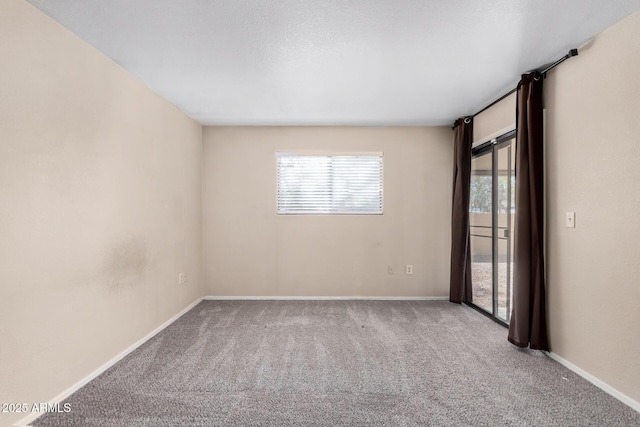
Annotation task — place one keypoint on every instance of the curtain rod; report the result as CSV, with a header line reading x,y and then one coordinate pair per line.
x,y
572,52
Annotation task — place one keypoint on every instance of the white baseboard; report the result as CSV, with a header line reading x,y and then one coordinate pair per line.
x,y
316,298
68,392
595,381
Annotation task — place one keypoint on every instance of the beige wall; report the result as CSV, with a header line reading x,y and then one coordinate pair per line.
x,y
100,208
593,169
592,152
251,251
496,120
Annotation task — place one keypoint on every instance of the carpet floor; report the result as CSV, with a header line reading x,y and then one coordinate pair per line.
x,y
355,363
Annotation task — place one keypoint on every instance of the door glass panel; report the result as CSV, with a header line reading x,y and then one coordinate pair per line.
x,y
504,290
481,230
505,216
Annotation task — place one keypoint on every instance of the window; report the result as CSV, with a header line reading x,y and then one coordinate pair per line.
x,y
329,184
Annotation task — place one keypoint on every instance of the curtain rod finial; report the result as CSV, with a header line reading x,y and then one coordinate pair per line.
x,y
572,52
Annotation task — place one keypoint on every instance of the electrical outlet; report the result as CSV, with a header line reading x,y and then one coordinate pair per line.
x,y
390,269
182,278
408,269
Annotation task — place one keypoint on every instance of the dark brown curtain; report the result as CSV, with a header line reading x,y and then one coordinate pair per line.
x,y
460,285
528,318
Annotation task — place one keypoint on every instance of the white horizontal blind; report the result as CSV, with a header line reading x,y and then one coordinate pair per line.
x,y
329,184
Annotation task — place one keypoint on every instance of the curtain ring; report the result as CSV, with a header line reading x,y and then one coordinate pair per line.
x,y
536,77
467,120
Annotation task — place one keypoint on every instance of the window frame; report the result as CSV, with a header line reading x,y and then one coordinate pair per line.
x,y
285,153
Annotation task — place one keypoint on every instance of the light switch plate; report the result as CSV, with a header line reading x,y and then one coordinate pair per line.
x,y
571,220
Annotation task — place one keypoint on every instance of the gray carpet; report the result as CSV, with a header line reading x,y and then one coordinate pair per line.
x,y
287,363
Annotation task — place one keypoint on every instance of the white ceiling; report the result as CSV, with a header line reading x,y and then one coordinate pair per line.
x,y
333,62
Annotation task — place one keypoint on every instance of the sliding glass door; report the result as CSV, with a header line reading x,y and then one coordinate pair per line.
x,y
491,215
481,229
